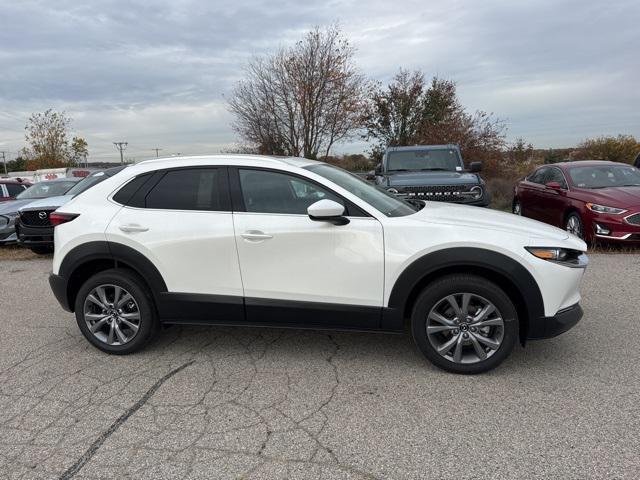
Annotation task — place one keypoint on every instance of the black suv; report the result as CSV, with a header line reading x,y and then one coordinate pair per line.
x,y
431,172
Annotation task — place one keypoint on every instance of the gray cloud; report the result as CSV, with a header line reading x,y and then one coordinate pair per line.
x,y
156,74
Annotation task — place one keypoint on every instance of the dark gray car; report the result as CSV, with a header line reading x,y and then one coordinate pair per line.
x,y
9,210
431,172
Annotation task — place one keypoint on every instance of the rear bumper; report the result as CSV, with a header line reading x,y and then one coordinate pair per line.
x,y
548,327
59,288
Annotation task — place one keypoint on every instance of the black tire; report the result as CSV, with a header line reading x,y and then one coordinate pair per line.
x,y
41,250
135,286
574,217
479,287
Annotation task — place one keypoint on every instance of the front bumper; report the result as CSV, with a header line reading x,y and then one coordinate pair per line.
x,y
34,236
59,288
548,327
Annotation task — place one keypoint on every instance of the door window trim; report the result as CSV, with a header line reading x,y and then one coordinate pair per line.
x,y
237,199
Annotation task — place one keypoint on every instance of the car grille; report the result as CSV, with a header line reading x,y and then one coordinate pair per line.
x,y
439,193
634,219
36,218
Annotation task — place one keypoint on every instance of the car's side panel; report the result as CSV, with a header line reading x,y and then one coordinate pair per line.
x,y
194,250
311,261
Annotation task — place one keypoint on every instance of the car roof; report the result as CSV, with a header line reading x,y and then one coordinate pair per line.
x,y
13,180
419,147
584,163
232,159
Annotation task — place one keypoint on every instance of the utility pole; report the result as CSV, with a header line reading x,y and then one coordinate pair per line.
x,y
4,160
157,150
122,146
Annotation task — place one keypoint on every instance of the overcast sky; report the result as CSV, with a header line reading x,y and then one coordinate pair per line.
x,y
156,74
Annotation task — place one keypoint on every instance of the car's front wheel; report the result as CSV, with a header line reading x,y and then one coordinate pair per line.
x,y
115,312
574,225
464,324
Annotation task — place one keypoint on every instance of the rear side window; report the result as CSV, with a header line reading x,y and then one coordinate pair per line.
x,y
125,196
189,189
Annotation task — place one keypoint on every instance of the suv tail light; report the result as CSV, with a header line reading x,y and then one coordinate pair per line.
x,y
60,218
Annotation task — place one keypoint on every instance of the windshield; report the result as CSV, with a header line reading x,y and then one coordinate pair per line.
x,y
46,189
87,183
603,176
378,198
443,159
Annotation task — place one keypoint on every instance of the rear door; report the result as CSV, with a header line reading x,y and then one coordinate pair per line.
x,y
532,189
299,271
552,201
181,220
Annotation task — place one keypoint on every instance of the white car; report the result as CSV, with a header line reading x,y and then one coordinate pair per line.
x,y
290,242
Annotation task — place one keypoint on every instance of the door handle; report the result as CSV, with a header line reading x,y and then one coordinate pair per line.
x,y
132,228
255,235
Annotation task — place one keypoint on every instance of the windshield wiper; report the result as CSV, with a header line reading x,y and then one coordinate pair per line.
x,y
434,169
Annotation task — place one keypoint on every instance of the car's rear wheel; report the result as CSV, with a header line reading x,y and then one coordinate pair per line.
x,y
517,207
464,324
115,312
574,225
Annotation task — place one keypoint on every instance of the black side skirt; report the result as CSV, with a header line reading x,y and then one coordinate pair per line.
x,y
195,309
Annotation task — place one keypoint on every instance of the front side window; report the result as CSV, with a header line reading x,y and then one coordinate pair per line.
x,y
381,200
275,192
555,175
187,189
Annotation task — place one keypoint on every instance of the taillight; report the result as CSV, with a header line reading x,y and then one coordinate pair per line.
x,y
59,218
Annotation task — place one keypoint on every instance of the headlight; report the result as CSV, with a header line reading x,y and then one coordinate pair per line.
x,y
392,190
594,207
564,256
476,193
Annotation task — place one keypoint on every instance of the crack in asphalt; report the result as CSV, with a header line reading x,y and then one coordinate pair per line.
x,y
91,451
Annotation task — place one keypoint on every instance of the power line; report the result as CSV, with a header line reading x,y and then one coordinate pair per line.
x,y
156,150
122,146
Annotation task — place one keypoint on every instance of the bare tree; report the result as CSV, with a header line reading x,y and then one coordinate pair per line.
x,y
303,99
46,137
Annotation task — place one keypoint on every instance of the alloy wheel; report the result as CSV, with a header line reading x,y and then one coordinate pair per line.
x,y
465,328
573,226
112,314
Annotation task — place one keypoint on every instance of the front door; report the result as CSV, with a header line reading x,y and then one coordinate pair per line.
x,y
297,270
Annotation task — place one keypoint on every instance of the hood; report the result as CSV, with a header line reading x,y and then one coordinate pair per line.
x,y
485,218
621,197
47,203
12,206
418,179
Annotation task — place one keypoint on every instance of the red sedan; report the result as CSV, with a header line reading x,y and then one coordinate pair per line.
x,y
595,200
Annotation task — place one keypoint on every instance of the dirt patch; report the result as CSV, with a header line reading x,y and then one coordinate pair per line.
x,y
14,252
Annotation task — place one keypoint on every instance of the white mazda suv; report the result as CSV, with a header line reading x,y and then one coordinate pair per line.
x,y
290,242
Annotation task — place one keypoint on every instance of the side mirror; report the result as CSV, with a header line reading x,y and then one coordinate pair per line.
x,y
327,211
554,186
371,176
378,170
475,167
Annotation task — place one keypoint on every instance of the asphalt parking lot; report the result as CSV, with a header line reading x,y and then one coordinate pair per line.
x,y
261,403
